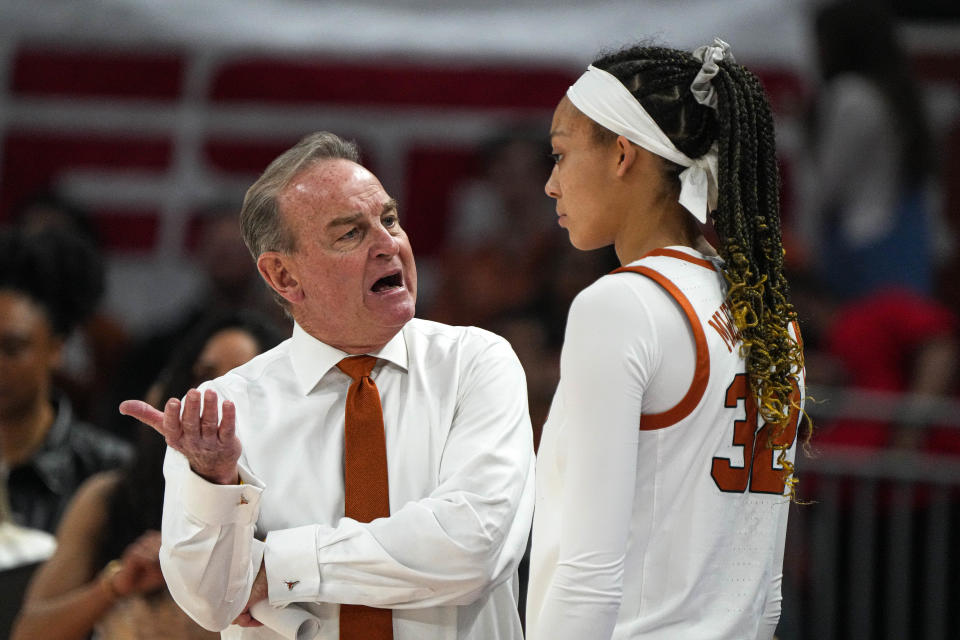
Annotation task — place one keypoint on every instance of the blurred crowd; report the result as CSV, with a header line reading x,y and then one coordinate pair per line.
x,y
873,279
874,260
869,255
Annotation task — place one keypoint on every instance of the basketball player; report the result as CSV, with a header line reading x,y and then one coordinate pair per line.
x,y
665,468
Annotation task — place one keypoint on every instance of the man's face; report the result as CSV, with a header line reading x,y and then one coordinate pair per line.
x,y
28,354
353,262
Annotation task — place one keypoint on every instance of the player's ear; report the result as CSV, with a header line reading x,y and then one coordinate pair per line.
x,y
279,271
626,155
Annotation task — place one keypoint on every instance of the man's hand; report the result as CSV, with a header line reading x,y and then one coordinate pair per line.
x,y
257,593
211,448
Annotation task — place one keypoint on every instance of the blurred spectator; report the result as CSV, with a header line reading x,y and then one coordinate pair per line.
x,y
92,351
231,284
505,254
21,550
232,281
479,285
868,219
565,273
105,575
505,206
895,352
50,281
894,341
48,210
528,334
502,227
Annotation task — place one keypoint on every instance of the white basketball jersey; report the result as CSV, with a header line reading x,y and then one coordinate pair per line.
x,y
705,547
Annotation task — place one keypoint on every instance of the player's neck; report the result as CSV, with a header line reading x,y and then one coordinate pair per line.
x,y
656,228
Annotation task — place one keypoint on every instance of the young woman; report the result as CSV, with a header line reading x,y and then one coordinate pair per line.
x,y
105,574
50,283
665,467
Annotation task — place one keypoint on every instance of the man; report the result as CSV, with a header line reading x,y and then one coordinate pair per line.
x,y
327,239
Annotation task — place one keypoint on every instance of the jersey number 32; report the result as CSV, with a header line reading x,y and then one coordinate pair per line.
x,y
759,472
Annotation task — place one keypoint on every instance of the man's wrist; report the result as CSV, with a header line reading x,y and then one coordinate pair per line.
x,y
224,479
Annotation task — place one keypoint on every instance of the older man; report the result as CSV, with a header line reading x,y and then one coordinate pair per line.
x,y
422,518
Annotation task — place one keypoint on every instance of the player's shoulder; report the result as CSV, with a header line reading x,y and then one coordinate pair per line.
x,y
617,294
678,270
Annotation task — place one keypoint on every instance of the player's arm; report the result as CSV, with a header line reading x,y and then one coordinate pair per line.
x,y
602,389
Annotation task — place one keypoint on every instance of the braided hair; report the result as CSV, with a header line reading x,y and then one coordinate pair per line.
x,y
747,217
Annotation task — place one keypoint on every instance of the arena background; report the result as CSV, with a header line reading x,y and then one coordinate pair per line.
x,y
147,112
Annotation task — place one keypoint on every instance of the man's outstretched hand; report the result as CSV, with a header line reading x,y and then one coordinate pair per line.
x,y
212,448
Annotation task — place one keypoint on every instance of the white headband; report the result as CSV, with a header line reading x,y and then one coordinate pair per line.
x,y
604,99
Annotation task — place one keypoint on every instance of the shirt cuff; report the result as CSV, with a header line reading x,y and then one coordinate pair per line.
x,y
290,558
220,504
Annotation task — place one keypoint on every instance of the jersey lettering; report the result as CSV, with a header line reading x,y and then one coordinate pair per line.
x,y
759,472
722,323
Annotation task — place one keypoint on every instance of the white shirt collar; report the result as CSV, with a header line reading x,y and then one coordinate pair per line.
x,y
312,359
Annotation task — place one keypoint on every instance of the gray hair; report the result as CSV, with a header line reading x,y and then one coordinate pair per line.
x,y
261,224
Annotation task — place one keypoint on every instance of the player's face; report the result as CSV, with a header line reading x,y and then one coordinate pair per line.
x,y
29,351
581,179
353,262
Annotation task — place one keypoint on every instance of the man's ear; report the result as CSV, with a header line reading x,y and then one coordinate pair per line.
x,y
627,155
276,269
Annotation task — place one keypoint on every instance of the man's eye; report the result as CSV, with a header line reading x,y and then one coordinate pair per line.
x,y
350,235
390,221
556,157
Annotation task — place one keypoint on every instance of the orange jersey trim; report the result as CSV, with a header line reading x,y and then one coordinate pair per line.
x,y
797,336
680,255
701,374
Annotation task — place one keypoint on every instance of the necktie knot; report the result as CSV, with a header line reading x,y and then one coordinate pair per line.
x,y
357,367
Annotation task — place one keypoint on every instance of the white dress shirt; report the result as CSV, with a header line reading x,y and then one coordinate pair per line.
x,y
460,466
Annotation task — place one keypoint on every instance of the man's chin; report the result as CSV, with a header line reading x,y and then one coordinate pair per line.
x,y
405,315
396,314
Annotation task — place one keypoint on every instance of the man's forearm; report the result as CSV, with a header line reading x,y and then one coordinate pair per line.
x,y
209,555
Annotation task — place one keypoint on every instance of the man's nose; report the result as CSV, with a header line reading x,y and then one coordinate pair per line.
x,y
385,243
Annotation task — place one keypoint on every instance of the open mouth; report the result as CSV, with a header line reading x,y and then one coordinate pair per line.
x,y
386,283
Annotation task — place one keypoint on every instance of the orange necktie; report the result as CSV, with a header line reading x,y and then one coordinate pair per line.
x,y
366,491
